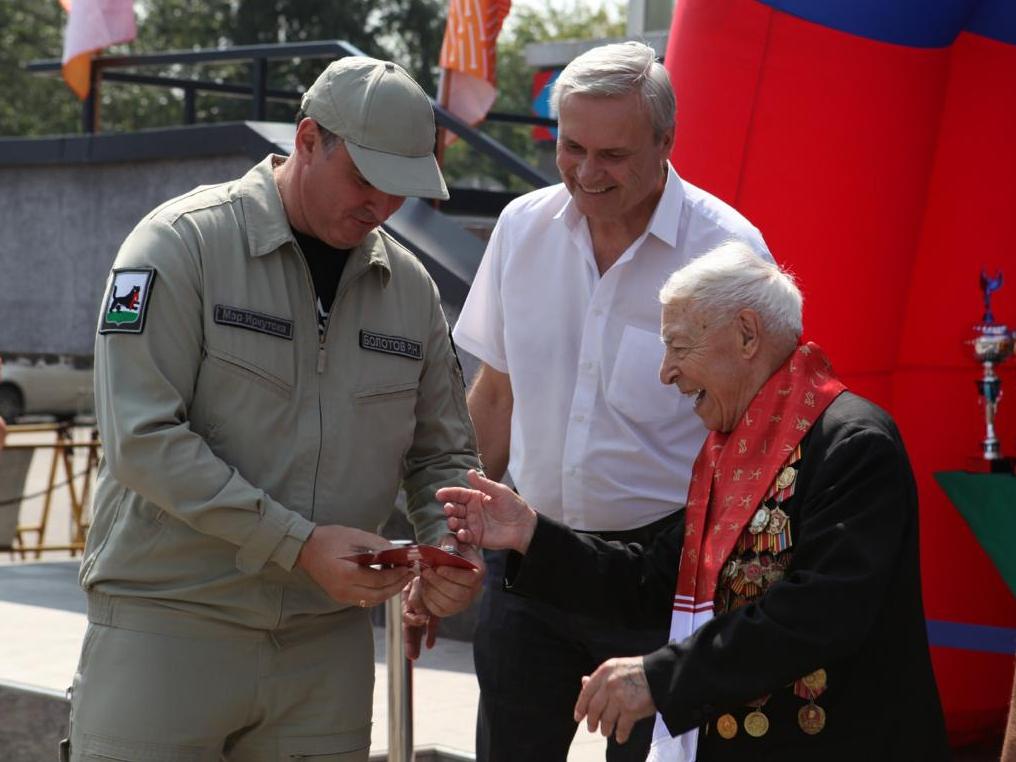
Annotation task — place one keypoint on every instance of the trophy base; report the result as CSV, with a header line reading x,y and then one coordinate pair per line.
x,y
978,465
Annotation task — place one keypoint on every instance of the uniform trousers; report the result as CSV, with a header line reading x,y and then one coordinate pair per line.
x,y
158,685
530,658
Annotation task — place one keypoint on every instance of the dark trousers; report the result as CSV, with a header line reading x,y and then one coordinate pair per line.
x,y
530,659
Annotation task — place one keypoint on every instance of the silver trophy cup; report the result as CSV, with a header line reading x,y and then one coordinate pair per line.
x,y
992,344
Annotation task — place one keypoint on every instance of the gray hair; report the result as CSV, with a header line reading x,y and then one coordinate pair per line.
x,y
731,277
616,70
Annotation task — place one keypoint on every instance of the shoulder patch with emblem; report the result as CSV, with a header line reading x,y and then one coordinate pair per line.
x,y
126,300
392,345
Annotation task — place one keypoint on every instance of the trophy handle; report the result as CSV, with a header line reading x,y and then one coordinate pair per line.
x,y
988,286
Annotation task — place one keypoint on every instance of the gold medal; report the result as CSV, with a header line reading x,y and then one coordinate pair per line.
x,y
786,477
815,682
756,724
726,726
811,718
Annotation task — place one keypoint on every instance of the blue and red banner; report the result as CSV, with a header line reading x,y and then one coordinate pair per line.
x,y
872,142
543,83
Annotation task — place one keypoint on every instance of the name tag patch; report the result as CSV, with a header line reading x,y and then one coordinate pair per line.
x,y
392,345
253,321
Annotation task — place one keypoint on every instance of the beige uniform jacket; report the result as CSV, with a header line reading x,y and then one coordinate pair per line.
x,y
226,440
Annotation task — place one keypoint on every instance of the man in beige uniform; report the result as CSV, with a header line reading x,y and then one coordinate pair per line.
x,y
250,446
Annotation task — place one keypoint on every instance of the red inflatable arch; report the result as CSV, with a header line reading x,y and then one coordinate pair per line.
x,y
874,144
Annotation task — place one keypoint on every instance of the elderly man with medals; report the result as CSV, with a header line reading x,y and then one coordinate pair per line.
x,y
797,627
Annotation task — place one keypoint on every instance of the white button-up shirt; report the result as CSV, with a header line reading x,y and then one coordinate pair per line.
x,y
596,440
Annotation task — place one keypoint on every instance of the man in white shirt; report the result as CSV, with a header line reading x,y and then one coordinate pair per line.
x,y
563,317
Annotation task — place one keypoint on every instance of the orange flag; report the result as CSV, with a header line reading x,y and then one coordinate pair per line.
x,y
91,26
468,57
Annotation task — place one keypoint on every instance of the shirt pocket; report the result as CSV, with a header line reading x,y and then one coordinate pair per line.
x,y
634,389
385,415
384,420
239,374
251,357
386,377
245,371
387,392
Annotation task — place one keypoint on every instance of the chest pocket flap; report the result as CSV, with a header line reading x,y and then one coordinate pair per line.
x,y
389,366
253,346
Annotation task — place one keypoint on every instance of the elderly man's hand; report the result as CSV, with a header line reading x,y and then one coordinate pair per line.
x,y
615,697
346,581
490,516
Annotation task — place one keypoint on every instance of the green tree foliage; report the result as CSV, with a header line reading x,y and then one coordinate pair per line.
x,y
553,22
527,25
407,31
29,104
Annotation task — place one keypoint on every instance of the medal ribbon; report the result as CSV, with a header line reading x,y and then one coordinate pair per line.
x,y
732,474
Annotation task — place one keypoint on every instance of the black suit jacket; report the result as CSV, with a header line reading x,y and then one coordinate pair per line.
x,y
850,603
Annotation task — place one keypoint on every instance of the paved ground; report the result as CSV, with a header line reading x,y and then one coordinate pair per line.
x,y
42,621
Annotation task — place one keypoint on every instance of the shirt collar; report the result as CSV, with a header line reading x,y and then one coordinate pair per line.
x,y
268,226
264,215
666,217
372,252
569,213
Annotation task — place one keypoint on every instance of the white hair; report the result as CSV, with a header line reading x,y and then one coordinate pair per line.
x,y
617,70
732,277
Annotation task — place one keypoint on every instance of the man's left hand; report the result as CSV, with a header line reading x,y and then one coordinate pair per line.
x,y
434,594
447,590
615,697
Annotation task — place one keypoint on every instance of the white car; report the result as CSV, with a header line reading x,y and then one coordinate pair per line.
x,y
51,386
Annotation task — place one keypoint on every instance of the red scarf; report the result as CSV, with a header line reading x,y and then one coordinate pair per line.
x,y
733,471
731,476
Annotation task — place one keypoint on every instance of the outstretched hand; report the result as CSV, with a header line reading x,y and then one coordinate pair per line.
x,y
488,516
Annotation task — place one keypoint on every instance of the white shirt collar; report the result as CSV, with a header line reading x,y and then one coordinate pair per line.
x,y
666,217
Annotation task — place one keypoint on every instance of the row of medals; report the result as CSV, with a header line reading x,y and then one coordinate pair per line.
x,y
810,717
758,558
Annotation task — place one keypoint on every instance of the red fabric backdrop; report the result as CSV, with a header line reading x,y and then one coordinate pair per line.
x,y
882,174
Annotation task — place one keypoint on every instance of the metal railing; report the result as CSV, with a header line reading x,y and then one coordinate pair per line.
x,y
106,69
257,55
400,686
